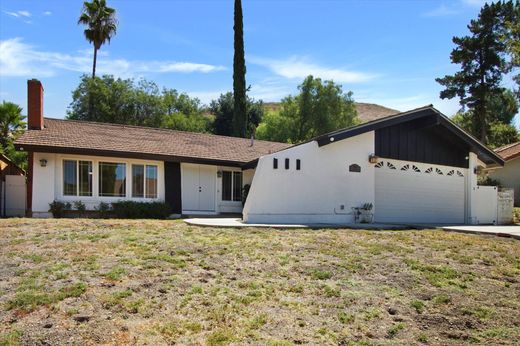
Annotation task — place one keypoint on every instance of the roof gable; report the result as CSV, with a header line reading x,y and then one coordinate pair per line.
x,y
427,112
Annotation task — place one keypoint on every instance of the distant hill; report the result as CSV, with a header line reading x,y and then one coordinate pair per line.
x,y
366,111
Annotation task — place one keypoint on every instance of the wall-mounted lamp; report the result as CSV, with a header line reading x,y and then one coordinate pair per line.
x,y
373,159
219,174
43,162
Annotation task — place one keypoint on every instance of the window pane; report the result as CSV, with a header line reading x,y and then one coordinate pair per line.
x,y
137,181
85,178
112,179
237,186
226,186
151,181
69,178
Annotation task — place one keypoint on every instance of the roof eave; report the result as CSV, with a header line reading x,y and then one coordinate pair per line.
x,y
125,154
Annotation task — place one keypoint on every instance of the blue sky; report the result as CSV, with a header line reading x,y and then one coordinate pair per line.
x,y
385,52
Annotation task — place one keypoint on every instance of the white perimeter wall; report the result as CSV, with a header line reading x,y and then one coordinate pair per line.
x,y
48,181
509,177
317,192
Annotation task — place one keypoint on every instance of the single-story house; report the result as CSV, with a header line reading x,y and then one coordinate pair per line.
x,y
93,162
509,175
411,167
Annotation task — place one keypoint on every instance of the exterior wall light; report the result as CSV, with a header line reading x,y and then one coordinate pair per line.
x,y
219,174
43,162
373,159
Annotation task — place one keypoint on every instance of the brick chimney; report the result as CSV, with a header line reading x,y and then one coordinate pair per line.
x,y
34,104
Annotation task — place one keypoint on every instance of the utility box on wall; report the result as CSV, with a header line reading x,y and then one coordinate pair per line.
x,y
484,205
506,199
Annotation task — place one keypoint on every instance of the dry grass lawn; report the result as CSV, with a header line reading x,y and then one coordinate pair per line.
x,y
84,282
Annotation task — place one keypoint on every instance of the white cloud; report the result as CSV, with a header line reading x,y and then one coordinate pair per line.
x,y
300,67
18,14
20,59
47,13
441,11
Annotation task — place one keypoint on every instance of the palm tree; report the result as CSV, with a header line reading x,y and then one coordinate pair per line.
x,y
12,124
101,25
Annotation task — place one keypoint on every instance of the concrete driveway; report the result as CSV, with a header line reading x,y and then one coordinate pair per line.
x,y
501,231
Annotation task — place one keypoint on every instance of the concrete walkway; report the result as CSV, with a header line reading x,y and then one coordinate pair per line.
x,y
238,223
501,231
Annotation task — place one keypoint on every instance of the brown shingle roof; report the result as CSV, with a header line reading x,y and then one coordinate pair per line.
x,y
509,152
134,141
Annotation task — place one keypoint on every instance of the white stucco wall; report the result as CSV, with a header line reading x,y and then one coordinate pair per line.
x,y
48,181
317,192
509,176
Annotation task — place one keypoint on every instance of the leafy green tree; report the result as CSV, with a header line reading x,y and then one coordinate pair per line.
x,y
513,44
483,60
240,125
191,122
223,110
501,134
12,126
122,101
320,107
112,97
275,127
501,130
184,113
101,25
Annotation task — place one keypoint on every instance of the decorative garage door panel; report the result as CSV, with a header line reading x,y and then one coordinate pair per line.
x,y
411,192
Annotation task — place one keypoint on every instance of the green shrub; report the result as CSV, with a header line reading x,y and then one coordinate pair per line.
x,y
103,210
58,208
141,210
80,207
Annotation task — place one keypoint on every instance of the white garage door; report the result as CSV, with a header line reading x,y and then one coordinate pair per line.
x,y
411,192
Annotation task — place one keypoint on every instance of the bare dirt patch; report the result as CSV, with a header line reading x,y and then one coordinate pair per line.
x,y
140,282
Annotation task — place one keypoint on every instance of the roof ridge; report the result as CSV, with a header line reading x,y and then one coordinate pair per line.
x,y
155,129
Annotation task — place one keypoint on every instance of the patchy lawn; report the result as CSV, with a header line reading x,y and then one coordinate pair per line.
x,y
80,281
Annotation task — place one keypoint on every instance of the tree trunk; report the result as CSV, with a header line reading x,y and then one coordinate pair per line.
x,y
239,75
95,61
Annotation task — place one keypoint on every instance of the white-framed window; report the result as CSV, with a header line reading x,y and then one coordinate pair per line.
x,y
231,186
112,179
144,181
77,178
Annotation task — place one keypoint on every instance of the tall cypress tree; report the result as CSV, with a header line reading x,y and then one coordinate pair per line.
x,y
239,75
